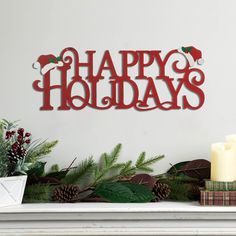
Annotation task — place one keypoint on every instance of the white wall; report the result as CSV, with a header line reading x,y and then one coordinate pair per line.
x,y
30,28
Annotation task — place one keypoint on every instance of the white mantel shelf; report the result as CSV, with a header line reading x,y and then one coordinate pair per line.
x,y
164,218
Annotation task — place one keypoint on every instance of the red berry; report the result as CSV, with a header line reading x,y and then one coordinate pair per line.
x,y
27,134
20,138
8,133
27,141
15,145
20,131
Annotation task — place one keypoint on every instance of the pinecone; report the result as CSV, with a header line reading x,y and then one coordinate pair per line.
x,y
161,191
66,193
14,155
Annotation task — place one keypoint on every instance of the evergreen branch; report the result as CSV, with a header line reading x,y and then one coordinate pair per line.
x,y
39,150
8,125
34,145
140,159
117,166
104,162
115,154
84,170
145,169
107,164
128,169
148,162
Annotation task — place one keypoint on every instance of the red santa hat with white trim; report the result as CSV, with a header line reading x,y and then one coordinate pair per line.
x,y
192,54
47,63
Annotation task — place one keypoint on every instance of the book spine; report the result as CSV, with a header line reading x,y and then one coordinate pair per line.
x,y
220,186
218,198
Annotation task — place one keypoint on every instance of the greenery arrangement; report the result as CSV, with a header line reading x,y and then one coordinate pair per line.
x,y
185,179
105,180
19,153
111,181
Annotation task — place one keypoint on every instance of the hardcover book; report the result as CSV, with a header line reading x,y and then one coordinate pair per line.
x,y
220,186
218,198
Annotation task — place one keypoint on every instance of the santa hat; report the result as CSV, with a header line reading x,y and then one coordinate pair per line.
x,y
192,54
47,63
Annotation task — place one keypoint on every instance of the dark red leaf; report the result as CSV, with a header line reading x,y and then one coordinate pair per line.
x,y
145,179
199,169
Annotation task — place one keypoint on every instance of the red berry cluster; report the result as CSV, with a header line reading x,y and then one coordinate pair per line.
x,y
18,150
9,134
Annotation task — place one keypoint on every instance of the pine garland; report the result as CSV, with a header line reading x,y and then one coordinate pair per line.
x,y
89,173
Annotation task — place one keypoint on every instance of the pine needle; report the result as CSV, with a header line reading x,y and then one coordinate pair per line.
x,y
39,150
115,154
80,174
141,159
143,164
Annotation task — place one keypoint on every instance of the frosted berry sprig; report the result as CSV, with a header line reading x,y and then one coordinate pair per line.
x,y
20,142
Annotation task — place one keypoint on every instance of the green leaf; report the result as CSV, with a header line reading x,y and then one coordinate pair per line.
x,y
37,169
51,60
114,192
58,174
120,192
141,192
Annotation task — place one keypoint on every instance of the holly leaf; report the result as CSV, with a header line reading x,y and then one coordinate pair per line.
x,y
51,60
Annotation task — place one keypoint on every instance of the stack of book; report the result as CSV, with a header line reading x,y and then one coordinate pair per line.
x,y
218,193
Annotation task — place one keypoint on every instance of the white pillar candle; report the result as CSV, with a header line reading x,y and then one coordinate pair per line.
x,y
223,161
231,138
